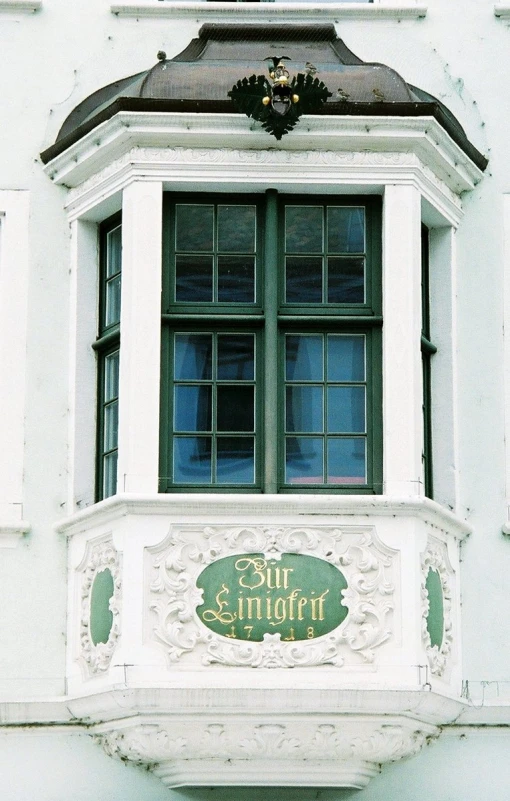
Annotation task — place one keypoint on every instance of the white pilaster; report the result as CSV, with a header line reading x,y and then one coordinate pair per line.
x,y
140,327
14,263
402,371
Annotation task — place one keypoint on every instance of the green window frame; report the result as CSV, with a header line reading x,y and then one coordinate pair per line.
x,y
308,281
107,347
428,349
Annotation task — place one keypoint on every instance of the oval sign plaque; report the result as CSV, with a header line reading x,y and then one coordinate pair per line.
x,y
297,596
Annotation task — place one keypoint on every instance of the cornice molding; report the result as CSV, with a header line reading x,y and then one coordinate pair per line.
x,y
502,10
258,11
12,533
227,134
176,505
23,6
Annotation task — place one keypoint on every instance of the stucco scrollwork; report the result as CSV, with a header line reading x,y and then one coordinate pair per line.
x,y
435,557
100,555
369,568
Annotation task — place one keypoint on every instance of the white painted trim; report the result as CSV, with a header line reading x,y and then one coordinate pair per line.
x,y
502,10
422,136
257,11
180,504
14,265
506,349
23,6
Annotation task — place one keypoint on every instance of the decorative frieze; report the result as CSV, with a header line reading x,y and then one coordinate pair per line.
x,y
437,577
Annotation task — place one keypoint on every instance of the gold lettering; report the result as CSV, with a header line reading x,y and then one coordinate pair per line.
x,y
292,597
258,566
301,604
248,630
218,614
232,635
285,572
280,611
240,607
320,603
291,636
249,604
268,609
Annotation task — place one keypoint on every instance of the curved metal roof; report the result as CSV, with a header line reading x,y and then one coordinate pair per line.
x,y
199,78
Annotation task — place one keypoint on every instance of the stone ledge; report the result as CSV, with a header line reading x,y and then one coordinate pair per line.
x,y
12,533
247,10
24,6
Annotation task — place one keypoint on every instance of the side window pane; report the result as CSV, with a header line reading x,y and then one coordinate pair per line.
x,y
194,228
303,229
110,423
113,276
346,229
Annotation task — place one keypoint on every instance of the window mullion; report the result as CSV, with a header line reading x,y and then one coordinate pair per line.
x,y
270,472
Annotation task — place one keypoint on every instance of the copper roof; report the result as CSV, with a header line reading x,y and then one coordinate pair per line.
x,y
199,78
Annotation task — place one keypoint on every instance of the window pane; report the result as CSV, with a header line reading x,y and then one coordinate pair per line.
x,y
236,229
109,474
192,408
303,279
194,228
113,251
346,410
346,460
346,280
236,279
304,358
303,229
194,278
304,406
235,408
111,426
192,460
346,229
236,357
346,357
304,460
235,460
111,376
112,308
193,357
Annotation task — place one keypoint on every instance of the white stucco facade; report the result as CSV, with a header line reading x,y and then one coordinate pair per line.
x,y
374,710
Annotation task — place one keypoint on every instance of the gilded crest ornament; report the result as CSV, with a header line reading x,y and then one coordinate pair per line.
x,y
278,103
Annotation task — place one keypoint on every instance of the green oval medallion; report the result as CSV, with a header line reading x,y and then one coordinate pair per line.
x,y
101,617
247,596
435,616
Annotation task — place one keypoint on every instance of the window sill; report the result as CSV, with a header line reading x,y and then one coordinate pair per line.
x,y
12,533
502,10
24,6
164,8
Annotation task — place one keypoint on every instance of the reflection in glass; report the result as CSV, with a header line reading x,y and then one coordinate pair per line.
x,y
235,407
303,229
111,376
235,460
346,410
111,426
346,357
192,408
113,251
194,228
303,279
346,229
236,279
193,357
236,357
304,358
346,280
112,306
304,460
303,408
109,474
192,460
346,460
194,278
236,229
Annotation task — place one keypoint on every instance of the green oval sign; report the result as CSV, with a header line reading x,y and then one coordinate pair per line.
x,y
435,616
297,596
101,616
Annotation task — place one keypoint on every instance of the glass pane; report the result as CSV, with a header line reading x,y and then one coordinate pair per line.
x,y
346,357
236,357
192,408
235,460
193,357
112,308
111,376
111,426
346,280
304,357
303,279
236,279
304,460
194,228
346,460
235,408
109,474
113,251
194,278
192,460
304,408
303,229
346,229
236,229
346,410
